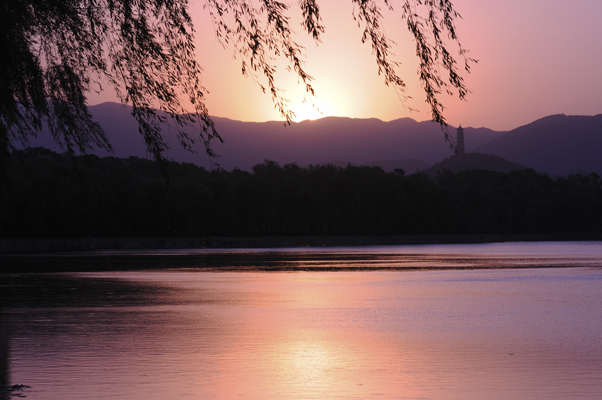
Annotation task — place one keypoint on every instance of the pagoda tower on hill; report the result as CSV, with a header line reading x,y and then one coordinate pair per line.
x,y
460,139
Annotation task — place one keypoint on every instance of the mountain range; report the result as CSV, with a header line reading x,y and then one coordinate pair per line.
x,y
558,144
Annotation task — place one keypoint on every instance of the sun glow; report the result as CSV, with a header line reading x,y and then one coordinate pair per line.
x,y
308,111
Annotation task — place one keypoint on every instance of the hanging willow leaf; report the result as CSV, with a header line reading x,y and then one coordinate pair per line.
x,y
57,51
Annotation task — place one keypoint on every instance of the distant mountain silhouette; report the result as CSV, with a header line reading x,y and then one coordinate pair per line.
x,y
402,143
472,161
558,144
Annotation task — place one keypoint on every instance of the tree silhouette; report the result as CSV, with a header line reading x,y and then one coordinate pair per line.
x,y
127,197
57,51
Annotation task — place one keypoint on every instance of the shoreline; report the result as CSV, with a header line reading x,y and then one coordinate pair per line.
x,y
17,246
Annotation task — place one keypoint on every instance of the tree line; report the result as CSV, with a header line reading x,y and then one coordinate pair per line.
x,y
46,194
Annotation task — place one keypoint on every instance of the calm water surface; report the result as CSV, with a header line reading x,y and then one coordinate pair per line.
x,y
499,321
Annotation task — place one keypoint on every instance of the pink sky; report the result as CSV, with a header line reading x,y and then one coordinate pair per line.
x,y
536,58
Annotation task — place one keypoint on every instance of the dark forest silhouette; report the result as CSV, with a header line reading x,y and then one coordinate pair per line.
x,y
48,196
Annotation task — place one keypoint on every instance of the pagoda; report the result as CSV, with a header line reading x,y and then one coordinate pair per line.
x,y
460,140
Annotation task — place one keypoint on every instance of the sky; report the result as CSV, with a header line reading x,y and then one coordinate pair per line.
x,y
536,58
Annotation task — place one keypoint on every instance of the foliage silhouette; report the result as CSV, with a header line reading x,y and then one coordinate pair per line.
x,y
59,50
127,197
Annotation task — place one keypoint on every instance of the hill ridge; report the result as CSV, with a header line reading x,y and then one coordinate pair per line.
x,y
365,141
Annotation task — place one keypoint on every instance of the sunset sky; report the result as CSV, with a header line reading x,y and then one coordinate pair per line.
x,y
536,58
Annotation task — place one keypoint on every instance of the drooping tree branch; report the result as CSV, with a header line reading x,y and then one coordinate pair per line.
x,y
262,34
60,50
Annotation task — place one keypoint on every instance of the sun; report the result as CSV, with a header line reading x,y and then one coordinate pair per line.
x,y
306,111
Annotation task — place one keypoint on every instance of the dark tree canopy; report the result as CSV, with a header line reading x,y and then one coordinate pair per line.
x,y
118,196
57,51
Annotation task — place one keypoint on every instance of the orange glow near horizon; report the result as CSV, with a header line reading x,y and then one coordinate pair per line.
x,y
326,104
536,58
306,111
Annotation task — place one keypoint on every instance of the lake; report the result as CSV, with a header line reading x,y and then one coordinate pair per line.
x,y
483,321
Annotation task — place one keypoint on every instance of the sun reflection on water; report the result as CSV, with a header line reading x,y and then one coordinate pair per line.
x,y
451,334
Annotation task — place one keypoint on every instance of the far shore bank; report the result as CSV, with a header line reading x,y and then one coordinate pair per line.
x,y
53,245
